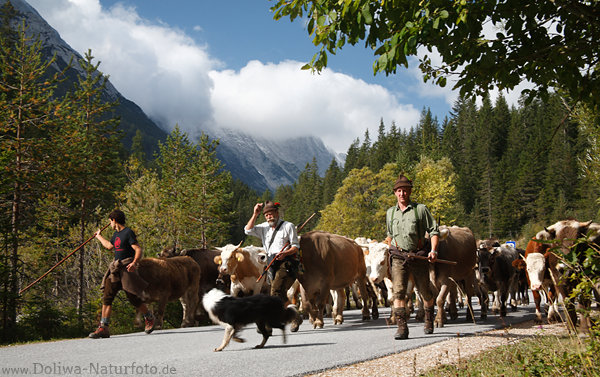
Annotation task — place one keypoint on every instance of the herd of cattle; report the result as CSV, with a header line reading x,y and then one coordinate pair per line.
x,y
334,265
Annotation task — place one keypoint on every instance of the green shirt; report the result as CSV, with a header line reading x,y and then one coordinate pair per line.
x,y
403,228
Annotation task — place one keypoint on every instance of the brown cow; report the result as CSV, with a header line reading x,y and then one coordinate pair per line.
x,y
170,279
456,244
331,262
209,273
538,264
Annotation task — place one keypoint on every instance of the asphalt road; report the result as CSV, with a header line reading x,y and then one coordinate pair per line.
x,y
189,351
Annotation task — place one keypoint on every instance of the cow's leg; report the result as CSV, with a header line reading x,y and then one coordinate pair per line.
x,y
347,292
552,304
484,299
321,301
338,306
372,293
537,299
229,331
496,302
362,287
356,296
440,317
189,302
292,293
503,298
451,300
160,313
468,292
513,295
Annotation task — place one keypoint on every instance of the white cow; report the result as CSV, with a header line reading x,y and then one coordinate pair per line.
x,y
377,262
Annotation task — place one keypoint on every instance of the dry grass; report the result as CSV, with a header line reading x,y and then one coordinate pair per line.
x,y
452,351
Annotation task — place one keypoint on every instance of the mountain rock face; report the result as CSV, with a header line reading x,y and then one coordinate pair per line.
x,y
132,116
269,163
260,163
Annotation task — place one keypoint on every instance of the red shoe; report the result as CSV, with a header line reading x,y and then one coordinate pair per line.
x,y
149,325
101,332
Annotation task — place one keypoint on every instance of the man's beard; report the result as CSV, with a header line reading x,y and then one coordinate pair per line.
x,y
273,222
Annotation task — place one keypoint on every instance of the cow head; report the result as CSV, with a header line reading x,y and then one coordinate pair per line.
x,y
566,231
169,252
536,269
377,261
229,258
486,256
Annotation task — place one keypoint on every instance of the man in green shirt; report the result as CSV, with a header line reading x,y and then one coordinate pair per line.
x,y
406,225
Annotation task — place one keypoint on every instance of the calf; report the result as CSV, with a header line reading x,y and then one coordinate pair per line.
x,y
168,280
209,273
537,264
496,271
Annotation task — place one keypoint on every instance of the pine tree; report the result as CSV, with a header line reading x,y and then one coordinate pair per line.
x,y
89,145
26,109
352,157
331,182
307,196
211,194
176,156
380,152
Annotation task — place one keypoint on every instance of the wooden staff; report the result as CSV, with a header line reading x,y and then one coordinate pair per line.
x,y
283,248
437,260
59,263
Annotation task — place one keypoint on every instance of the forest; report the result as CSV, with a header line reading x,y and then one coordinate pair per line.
x,y
500,170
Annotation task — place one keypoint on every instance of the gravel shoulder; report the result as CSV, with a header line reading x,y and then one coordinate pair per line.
x,y
451,351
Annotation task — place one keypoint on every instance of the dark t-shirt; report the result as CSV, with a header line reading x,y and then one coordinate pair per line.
x,y
122,242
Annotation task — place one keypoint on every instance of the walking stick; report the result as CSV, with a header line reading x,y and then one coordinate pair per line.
x,y
437,260
59,263
283,248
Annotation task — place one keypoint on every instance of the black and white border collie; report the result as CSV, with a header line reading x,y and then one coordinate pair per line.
x,y
234,313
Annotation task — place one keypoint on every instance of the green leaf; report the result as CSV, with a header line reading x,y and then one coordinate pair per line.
x,y
366,12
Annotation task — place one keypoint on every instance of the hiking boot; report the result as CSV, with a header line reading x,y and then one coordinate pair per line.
x,y
402,333
101,332
428,328
149,322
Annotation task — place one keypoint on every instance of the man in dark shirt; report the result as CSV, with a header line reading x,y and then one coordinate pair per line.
x,y
127,255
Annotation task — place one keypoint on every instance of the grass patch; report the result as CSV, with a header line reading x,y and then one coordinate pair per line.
x,y
540,356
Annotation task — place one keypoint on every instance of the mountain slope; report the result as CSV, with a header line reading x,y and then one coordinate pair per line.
x,y
258,162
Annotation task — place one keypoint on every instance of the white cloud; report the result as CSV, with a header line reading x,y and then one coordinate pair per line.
x,y
174,80
158,67
281,100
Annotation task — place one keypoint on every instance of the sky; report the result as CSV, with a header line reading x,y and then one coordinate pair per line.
x,y
203,64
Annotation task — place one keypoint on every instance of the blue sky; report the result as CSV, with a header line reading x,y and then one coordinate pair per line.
x,y
203,64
